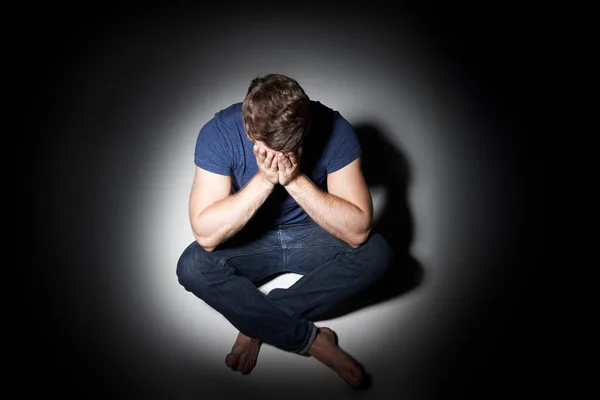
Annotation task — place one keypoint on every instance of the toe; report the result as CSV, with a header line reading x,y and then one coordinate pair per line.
x,y
232,361
243,364
246,363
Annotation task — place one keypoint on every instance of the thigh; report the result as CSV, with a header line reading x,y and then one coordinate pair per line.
x,y
307,246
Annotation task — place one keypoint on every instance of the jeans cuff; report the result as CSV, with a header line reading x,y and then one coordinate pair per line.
x,y
310,338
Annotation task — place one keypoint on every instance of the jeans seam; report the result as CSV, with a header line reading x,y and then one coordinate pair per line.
x,y
285,309
229,257
283,248
306,246
304,278
288,226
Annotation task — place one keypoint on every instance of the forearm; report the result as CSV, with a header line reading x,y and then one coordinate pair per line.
x,y
225,218
335,215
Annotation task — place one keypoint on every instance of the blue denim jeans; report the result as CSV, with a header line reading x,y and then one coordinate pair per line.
x,y
227,279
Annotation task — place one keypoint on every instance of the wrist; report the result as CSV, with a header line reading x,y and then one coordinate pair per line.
x,y
294,181
264,182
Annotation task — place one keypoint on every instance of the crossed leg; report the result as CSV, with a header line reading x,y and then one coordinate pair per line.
x,y
343,273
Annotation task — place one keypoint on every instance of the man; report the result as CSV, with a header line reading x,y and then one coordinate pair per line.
x,y
278,188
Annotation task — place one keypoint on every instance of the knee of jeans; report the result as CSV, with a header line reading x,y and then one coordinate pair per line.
x,y
197,269
379,250
185,266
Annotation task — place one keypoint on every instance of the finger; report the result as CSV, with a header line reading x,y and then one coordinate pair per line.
x,y
275,164
293,159
287,162
261,155
255,151
269,160
281,164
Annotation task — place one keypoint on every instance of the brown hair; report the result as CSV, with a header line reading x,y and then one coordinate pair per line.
x,y
276,111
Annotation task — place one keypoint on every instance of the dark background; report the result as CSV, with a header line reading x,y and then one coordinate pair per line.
x,y
490,50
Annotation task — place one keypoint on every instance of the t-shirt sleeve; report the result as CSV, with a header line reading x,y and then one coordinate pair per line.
x,y
212,151
343,147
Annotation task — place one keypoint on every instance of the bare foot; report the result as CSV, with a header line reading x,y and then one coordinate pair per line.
x,y
244,354
326,350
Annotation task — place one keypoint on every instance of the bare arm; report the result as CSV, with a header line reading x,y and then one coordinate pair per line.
x,y
345,211
215,214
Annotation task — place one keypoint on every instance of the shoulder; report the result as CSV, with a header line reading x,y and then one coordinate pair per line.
x,y
328,126
229,117
320,111
230,113
328,117
333,137
224,122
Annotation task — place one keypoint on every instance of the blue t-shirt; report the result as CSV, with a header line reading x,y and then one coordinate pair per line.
x,y
223,148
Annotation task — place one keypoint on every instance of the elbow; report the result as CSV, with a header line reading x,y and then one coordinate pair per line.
x,y
358,239
206,243
361,234
209,249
